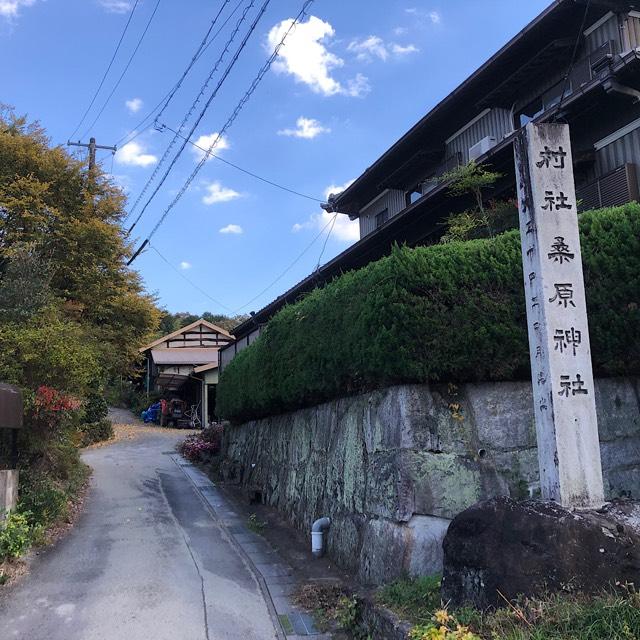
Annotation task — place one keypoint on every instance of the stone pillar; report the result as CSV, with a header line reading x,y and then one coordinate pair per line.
x,y
562,377
8,491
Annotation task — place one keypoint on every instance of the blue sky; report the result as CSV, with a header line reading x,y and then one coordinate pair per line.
x,y
354,76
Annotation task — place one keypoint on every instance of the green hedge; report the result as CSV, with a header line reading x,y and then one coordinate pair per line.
x,y
451,312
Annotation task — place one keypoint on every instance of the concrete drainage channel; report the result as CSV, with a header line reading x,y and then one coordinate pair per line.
x,y
274,576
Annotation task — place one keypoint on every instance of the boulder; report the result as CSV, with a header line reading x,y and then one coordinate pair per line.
x,y
499,549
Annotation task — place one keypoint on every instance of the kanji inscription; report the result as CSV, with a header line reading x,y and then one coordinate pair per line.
x,y
563,387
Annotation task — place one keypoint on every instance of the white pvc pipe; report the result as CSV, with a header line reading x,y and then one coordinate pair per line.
x,y
317,536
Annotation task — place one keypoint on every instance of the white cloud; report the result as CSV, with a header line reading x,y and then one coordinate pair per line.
x,y
11,8
116,6
134,154
400,31
369,48
134,105
372,47
306,57
433,16
217,193
232,228
206,141
307,128
185,265
358,86
335,189
344,229
403,50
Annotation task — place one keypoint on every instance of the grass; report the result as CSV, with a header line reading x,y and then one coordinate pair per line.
x,y
606,616
413,599
255,525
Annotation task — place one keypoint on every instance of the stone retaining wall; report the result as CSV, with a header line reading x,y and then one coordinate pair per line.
x,y
392,467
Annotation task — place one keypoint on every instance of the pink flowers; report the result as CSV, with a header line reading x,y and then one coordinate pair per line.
x,y
196,449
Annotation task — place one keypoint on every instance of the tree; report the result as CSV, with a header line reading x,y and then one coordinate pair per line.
x,y
62,242
482,220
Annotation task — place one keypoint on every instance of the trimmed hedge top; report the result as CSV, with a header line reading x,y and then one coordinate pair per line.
x,y
451,312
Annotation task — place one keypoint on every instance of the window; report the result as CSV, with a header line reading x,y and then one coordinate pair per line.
x,y
411,196
382,217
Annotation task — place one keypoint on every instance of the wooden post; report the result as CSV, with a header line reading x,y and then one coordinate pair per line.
x,y
562,377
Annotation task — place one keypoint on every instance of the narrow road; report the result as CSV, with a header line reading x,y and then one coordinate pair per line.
x,y
145,561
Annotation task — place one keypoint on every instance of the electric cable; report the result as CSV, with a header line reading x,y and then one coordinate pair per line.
x,y
193,60
106,73
184,277
246,97
132,135
126,68
249,173
573,59
284,273
185,119
326,240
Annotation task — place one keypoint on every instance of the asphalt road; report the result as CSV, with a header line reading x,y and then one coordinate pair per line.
x,y
146,561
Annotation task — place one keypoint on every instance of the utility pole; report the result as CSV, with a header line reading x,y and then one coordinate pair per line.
x,y
92,146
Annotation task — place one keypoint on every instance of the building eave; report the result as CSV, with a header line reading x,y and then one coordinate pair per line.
x,y
363,189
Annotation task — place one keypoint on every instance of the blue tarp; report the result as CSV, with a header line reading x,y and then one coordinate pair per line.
x,y
152,414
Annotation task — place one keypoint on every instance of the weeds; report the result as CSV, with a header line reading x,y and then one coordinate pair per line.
x,y
606,616
15,536
348,616
414,599
255,525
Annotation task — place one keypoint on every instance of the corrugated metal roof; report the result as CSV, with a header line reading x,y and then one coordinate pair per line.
x,y
188,355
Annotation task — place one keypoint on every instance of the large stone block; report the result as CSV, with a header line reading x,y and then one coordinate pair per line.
x,y
425,545
501,549
618,408
443,483
503,415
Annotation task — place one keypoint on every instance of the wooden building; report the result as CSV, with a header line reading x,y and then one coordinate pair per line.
x,y
184,364
534,77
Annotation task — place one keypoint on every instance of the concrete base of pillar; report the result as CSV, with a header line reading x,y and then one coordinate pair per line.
x,y
8,491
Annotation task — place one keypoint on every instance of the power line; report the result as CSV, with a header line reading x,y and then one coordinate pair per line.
x,y
249,173
573,58
129,137
254,85
126,68
326,240
193,284
284,273
187,117
104,77
193,60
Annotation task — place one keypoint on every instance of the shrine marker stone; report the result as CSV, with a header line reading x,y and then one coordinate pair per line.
x,y
562,376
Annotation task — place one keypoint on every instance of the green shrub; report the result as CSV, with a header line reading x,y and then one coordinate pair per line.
x,y
41,500
15,535
95,408
93,432
453,312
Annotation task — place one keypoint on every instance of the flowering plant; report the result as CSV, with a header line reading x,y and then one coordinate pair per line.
x,y
442,627
196,448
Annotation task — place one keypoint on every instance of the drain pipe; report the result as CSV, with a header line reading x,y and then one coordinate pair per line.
x,y
317,536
